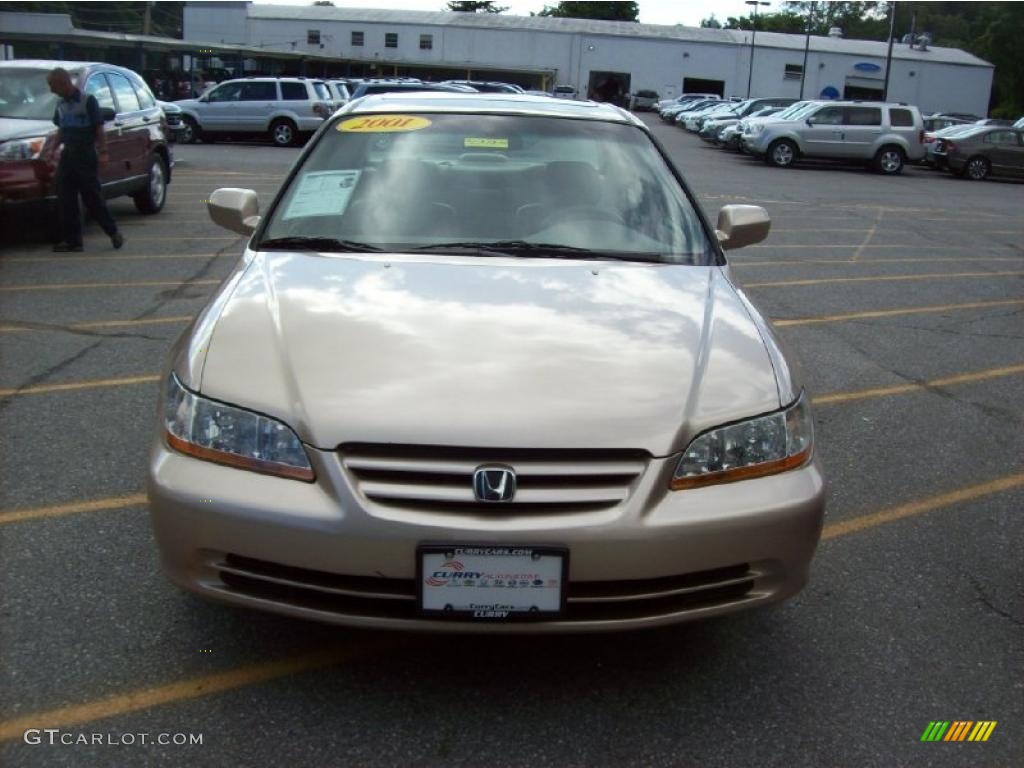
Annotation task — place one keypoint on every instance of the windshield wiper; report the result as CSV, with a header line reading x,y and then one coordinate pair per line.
x,y
539,250
325,244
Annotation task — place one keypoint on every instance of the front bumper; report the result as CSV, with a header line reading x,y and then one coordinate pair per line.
x,y
755,144
26,181
323,551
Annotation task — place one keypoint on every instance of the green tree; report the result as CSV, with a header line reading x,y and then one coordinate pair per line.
x,y
782,21
128,17
471,6
608,11
711,22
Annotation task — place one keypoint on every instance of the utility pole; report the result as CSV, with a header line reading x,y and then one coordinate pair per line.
x,y
753,34
147,19
888,58
807,49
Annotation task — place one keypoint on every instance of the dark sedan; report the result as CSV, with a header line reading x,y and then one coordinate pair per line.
x,y
984,152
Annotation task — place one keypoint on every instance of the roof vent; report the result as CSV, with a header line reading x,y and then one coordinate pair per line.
x,y
923,41
835,32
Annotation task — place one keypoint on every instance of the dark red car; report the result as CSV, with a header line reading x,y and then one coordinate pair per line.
x,y
139,162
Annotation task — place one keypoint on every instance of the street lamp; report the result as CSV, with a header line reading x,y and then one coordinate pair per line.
x,y
753,34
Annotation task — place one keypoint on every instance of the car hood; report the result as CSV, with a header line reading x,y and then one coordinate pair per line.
x,y
17,128
487,352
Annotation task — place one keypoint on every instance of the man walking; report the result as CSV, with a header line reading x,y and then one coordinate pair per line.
x,y
81,131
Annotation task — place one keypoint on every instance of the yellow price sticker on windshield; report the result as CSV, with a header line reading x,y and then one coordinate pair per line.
x,y
486,143
383,124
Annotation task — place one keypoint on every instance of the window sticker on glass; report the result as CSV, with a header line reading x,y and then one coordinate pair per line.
x,y
486,143
383,124
325,193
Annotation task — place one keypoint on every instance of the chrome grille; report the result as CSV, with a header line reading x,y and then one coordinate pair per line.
x,y
586,601
432,478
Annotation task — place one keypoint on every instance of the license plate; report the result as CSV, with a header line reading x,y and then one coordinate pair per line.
x,y
488,583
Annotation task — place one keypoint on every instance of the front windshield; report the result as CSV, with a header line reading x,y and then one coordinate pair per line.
x,y
794,109
401,183
25,94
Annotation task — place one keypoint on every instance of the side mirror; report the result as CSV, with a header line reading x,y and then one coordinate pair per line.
x,y
742,225
810,122
235,209
107,114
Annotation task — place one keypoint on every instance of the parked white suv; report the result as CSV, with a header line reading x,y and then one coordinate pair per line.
x,y
282,107
884,135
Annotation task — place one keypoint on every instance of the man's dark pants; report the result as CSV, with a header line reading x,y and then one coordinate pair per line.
x,y
79,175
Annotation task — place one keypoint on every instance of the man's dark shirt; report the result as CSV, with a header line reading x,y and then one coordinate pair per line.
x,y
77,118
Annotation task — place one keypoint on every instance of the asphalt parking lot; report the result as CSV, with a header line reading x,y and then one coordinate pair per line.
x,y
904,300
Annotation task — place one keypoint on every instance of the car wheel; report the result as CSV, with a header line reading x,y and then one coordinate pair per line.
x,y
152,198
889,160
283,133
190,132
977,168
781,153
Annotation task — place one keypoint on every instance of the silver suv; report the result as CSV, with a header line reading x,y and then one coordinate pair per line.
x,y
884,135
282,107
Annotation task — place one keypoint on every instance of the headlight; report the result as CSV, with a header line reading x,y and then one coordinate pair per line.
x,y
21,149
225,434
757,447
756,129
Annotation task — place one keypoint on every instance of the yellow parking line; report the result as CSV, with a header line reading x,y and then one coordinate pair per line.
x,y
880,279
254,674
921,506
73,508
98,324
204,685
900,389
42,389
129,284
893,312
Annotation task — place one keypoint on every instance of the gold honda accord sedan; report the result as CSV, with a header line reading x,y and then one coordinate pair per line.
x,y
483,366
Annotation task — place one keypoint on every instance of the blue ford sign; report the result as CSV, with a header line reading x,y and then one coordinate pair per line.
x,y
867,66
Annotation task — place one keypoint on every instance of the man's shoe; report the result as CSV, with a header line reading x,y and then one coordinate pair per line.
x,y
66,248
117,239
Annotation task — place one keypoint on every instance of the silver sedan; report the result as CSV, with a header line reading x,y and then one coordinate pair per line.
x,y
483,366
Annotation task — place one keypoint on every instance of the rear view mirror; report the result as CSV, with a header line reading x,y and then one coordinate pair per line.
x,y
742,225
107,114
235,209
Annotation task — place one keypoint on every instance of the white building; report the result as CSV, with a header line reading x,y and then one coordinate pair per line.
x,y
542,52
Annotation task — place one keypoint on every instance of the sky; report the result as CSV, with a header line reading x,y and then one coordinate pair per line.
x,y
686,12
